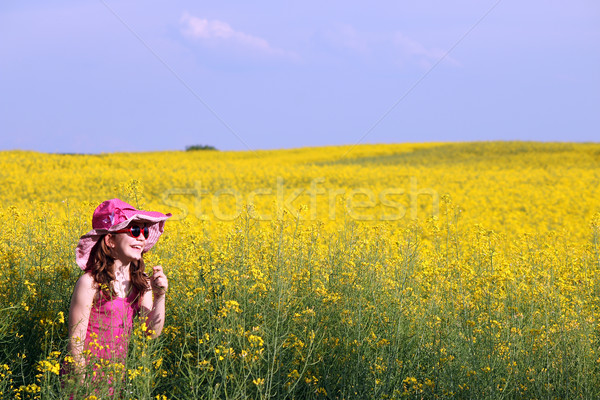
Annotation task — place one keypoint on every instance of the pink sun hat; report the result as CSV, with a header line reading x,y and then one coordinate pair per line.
x,y
113,215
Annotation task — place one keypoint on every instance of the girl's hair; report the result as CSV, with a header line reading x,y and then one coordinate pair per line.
x,y
101,264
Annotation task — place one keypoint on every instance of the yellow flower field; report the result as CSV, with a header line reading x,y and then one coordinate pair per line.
x,y
423,271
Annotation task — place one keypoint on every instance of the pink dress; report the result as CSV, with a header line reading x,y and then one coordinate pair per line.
x,y
110,325
107,338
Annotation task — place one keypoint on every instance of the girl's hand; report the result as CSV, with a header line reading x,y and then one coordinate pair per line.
x,y
159,281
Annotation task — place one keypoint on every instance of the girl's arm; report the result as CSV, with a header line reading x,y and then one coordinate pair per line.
x,y
154,310
79,315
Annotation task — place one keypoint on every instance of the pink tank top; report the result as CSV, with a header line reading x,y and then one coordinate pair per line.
x,y
110,325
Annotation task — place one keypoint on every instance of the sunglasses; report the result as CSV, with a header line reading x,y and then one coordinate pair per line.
x,y
136,231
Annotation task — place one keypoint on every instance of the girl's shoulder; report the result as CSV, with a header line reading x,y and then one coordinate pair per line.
x,y
86,281
86,284
85,290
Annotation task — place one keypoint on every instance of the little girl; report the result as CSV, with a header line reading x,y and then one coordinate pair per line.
x,y
114,288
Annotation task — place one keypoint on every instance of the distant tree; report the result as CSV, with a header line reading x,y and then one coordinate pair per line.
x,y
199,147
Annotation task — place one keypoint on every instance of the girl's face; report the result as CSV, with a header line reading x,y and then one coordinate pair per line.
x,y
125,247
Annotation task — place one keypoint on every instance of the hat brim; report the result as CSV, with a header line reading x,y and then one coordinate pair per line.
x,y
90,239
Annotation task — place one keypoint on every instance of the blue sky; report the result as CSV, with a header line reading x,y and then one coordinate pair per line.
x,y
105,75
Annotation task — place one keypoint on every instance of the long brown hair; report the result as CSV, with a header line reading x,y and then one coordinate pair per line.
x,y
101,266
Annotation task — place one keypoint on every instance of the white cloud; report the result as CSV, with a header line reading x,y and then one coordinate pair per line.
x,y
425,56
348,37
215,30
387,44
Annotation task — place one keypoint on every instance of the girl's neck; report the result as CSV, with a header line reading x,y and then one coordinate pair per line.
x,y
122,283
121,270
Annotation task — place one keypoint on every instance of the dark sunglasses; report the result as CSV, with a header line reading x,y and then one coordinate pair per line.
x,y
135,231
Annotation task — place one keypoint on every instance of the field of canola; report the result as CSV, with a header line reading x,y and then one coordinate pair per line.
x,y
409,271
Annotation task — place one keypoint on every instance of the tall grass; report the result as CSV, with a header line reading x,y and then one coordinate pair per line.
x,y
497,297
285,309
